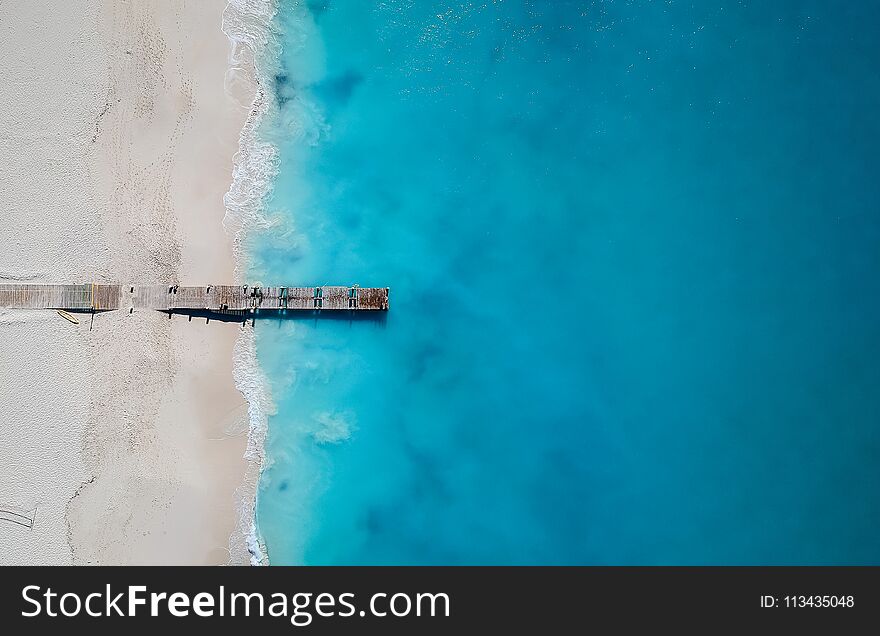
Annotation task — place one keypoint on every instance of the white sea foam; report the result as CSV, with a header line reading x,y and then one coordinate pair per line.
x,y
254,62
248,25
251,381
334,427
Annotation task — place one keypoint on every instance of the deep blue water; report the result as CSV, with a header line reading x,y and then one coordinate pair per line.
x,y
633,251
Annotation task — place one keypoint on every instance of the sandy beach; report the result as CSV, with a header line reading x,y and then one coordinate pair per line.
x,y
124,437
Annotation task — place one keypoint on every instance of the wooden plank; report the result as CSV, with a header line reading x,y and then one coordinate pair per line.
x,y
372,298
334,298
105,297
300,298
229,298
271,298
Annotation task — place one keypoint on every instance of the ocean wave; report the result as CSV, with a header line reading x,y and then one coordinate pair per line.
x,y
251,381
255,62
248,25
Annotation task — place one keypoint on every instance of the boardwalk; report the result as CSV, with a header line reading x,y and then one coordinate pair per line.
x,y
210,298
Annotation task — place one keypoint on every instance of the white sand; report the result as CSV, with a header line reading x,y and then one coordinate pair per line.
x,y
116,147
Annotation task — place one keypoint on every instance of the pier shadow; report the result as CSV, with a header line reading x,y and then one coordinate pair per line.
x,y
375,317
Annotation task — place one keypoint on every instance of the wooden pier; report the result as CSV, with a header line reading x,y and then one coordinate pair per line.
x,y
179,298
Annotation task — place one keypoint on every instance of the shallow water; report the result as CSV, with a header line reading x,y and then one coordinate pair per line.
x,y
632,251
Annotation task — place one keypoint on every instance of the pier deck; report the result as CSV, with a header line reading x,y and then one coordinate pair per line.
x,y
211,298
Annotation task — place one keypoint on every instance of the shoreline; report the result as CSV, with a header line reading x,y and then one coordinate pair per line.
x,y
247,25
126,438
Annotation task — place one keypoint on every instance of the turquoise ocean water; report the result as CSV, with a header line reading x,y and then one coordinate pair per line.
x,y
633,251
